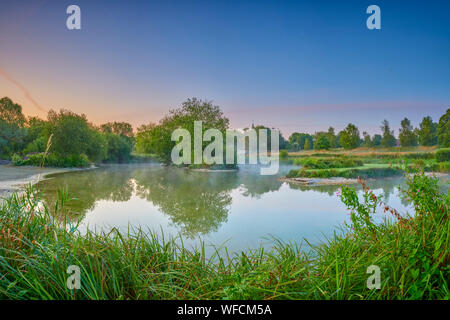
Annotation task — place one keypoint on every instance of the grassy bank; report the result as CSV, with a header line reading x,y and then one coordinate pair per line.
x,y
365,172
412,254
368,163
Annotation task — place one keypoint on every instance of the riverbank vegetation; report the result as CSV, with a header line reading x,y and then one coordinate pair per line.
x,y
368,163
66,139
38,244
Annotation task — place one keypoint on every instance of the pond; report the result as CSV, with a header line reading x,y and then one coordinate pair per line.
x,y
239,209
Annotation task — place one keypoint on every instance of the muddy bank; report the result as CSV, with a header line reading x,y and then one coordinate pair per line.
x,y
319,181
340,180
14,178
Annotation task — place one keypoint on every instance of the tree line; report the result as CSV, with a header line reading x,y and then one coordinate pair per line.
x,y
71,138
429,133
65,135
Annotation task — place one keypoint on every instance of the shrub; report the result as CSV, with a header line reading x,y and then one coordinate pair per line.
x,y
444,166
52,160
443,155
317,163
351,173
283,154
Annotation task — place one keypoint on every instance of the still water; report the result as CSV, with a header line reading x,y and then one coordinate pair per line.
x,y
240,209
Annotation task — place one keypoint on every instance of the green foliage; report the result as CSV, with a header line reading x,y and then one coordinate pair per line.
x,y
73,135
443,155
444,167
349,137
37,145
407,136
11,112
388,139
443,130
351,173
298,140
119,148
332,139
321,141
284,154
12,138
427,132
376,140
367,140
12,131
156,139
411,252
52,160
308,145
328,163
122,129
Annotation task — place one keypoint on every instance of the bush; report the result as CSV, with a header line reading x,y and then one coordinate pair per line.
x,y
52,160
444,166
119,148
283,154
314,163
348,173
443,155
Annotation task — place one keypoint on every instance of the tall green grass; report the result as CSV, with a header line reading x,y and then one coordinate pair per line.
x,y
37,245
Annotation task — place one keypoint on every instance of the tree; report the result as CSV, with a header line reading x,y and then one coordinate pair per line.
x,y
367,140
73,135
298,139
388,139
118,148
12,131
443,130
427,132
376,140
350,137
157,138
406,135
120,128
321,141
308,145
331,137
11,112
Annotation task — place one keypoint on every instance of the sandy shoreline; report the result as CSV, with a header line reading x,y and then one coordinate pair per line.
x,y
14,178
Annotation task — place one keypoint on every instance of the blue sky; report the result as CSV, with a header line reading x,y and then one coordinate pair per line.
x,y
296,65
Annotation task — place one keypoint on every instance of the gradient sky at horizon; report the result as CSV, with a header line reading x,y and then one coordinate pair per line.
x,y
295,65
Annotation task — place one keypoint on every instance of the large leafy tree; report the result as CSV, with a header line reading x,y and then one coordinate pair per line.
x,y
443,130
407,136
321,141
349,137
11,112
367,140
298,140
376,140
388,139
427,132
74,135
157,138
12,130
331,136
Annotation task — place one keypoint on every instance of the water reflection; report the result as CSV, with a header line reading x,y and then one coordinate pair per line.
x,y
196,203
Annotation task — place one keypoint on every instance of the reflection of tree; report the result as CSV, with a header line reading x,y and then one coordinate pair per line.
x,y
197,202
330,189
87,187
255,184
388,185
